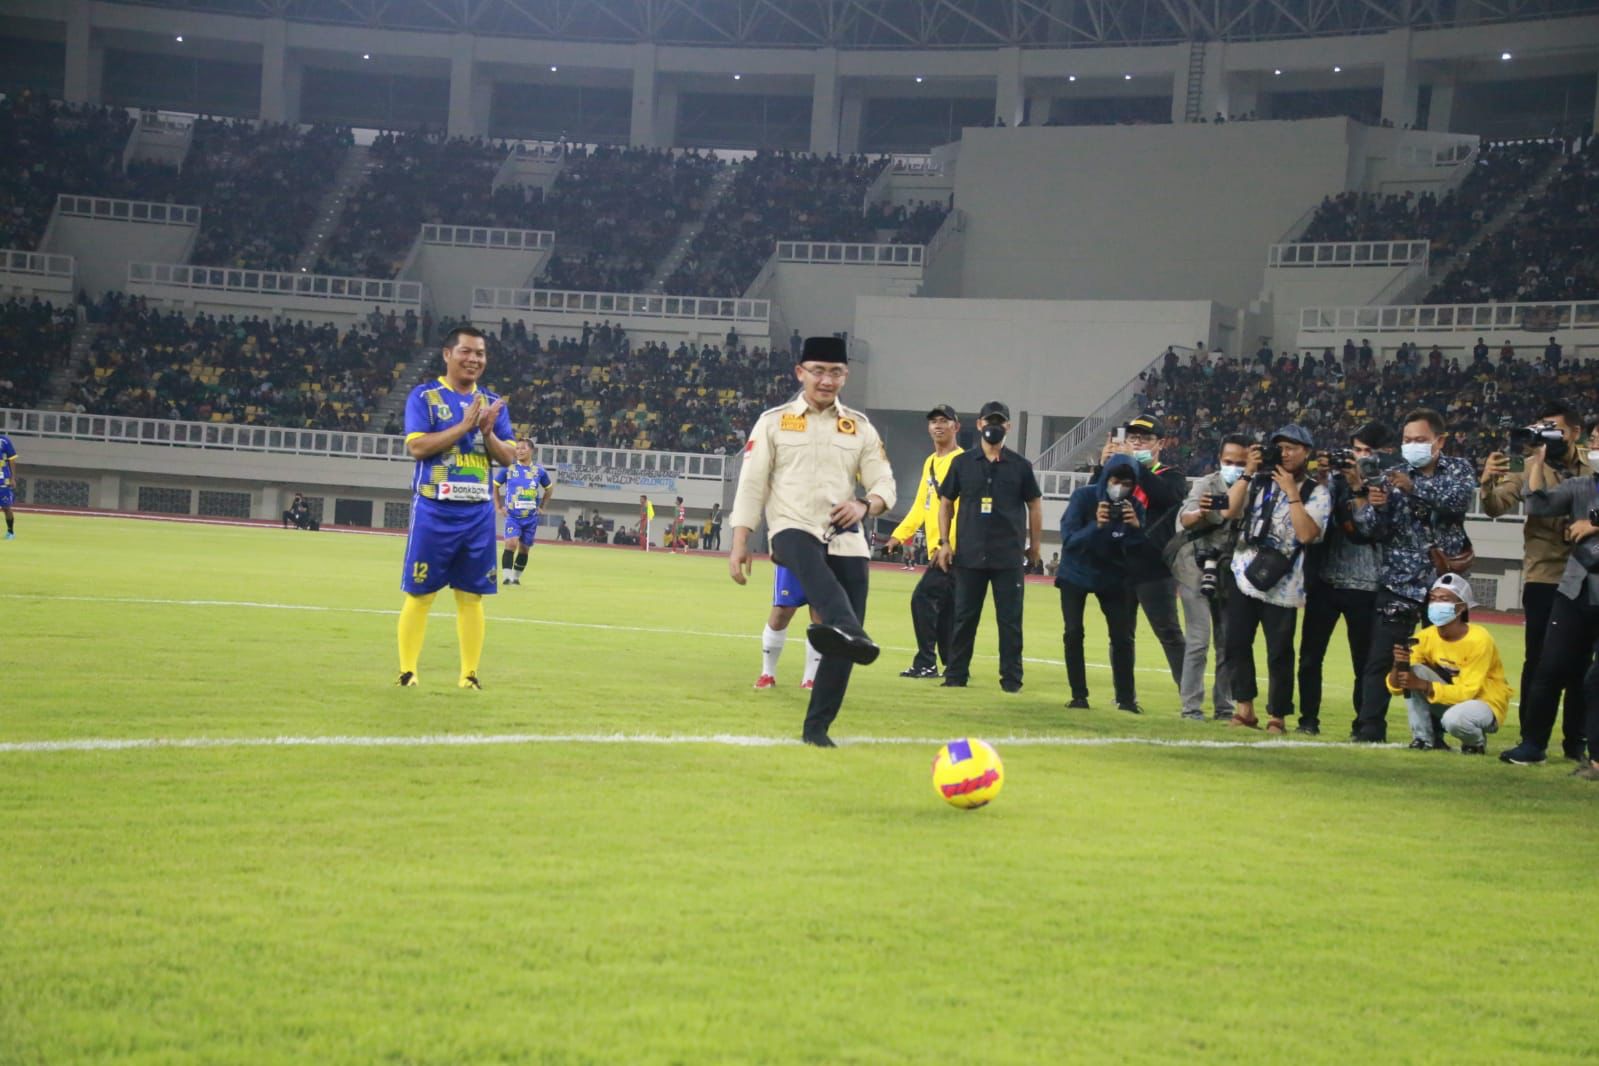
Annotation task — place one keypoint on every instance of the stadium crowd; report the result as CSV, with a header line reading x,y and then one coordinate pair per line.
x,y
41,337
915,224
54,148
153,364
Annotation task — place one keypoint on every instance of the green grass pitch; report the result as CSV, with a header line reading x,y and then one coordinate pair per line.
x,y
582,902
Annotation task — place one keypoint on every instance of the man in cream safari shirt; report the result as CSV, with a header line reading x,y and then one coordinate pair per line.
x,y
803,466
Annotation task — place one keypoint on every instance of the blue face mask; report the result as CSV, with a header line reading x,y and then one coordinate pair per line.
x,y
1441,614
1416,453
1144,455
1230,474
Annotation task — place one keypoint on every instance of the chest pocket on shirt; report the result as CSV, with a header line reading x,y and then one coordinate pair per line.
x,y
847,444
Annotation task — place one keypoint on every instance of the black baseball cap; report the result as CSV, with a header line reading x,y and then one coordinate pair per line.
x,y
1144,423
943,410
991,408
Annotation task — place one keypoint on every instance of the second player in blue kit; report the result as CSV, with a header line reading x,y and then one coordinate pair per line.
x,y
522,492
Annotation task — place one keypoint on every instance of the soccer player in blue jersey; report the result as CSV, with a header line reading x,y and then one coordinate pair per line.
x,y
787,597
8,483
517,495
454,430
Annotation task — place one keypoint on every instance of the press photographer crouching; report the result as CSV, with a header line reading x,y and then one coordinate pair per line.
x,y
1342,572
1201,559
1418,513
1282,512
1551,443
1573,631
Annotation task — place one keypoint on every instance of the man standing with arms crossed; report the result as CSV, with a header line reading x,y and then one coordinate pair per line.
x,y
802,464
453,430
1000,508
933,602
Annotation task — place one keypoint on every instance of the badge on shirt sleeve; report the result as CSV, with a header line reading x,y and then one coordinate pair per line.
x,y
847,426
793,423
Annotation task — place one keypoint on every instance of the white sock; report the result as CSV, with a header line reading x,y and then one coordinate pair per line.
x,y
772,641
813,659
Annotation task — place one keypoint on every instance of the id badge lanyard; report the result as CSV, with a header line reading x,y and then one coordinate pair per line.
x,y
987,507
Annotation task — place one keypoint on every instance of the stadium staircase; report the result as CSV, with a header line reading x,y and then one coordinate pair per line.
x,y
691,229
60,383
1196,81
352,172
393,403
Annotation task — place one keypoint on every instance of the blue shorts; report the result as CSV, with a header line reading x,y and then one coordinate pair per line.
x,y
786,591
7,497
521,527
451,544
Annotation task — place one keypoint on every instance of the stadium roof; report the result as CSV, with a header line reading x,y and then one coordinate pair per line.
x,y
897,23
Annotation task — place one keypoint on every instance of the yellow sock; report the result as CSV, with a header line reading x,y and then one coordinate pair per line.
x,y
469,627
413,628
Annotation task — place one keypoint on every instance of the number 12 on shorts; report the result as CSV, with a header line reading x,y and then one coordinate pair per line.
x,y
419,572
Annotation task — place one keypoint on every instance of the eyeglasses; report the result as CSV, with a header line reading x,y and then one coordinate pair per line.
x,y
831,373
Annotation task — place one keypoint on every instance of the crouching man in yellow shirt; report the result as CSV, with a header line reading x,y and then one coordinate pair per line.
x,y
1452,678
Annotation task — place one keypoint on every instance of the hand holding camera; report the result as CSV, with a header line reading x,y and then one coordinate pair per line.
x,y
1496,466
1215,501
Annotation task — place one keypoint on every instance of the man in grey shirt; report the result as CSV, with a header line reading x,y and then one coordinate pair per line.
x,y
1200,557
1573,631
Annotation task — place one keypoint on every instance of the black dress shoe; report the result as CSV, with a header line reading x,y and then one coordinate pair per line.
x,y
1078,703
950,682
834,640
1130,706
819,740
1011,688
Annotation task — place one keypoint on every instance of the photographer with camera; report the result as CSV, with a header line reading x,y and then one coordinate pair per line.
x,y
1418,511
1102,542
1282,511
1200,557
1550,444
1343,571
1573,633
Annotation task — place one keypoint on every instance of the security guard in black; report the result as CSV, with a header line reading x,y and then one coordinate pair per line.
x,y
998,526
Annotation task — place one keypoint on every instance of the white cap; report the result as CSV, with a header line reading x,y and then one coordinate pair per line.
x,y
1460,586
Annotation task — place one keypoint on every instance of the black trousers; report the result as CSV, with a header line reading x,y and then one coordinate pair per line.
x,y
1537,602
971,589
835,585
1117,607
1324,605
1244,615
933,617
1569,644
1393,620
1158,598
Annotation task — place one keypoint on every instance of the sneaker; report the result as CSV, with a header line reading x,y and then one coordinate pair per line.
x,y
506,580
10,535
1194,716
1309,729
1222,716
1575,754
1524,754
808,685
1440,744
1077,703
1420,745
470,681
1474,749
920,671
765,681
407,680
1130,706
516,579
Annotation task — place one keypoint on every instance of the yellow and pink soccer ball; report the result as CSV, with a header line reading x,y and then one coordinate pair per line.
x,y
967,774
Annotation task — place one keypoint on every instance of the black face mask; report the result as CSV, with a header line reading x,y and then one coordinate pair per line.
x,y
993,434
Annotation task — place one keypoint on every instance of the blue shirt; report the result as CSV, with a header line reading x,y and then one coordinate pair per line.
x,y
522,484
459,474
7,453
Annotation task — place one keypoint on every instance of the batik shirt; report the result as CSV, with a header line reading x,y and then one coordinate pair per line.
x,y
1416,527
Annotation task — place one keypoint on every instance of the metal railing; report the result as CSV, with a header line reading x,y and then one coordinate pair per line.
x,y
128,210
624,304
1435,155
915,164
276,283
688,465
533,240
850,254
1098,420
16,261
1445,318
1347,254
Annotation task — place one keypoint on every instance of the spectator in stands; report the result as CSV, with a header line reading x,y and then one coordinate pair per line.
x,y
36,342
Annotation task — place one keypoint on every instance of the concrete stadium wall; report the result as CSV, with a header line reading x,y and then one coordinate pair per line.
x,y
819,298
450,273
1139,212
1288,290
1042,357
104,248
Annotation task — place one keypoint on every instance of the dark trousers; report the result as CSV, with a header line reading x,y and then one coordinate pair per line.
x,y
1117,607
1569,644
1393,620
835,585
1244,615
971,589
1537,602
1324,605
1159,600
933,617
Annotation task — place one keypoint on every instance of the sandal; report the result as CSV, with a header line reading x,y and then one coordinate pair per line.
x,y
1275,727
1248,723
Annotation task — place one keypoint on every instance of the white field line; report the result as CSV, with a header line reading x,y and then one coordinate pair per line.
x,y
319,609
731,740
